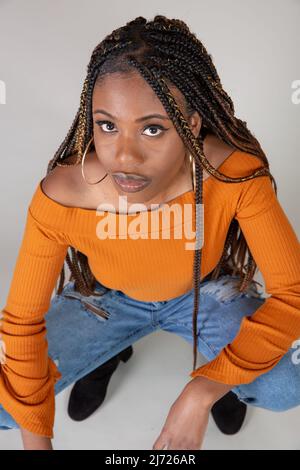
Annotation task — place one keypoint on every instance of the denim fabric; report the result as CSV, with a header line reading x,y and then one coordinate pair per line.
x,y
84,332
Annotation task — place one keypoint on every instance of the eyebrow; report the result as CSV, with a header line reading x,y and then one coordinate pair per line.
x,y
144,118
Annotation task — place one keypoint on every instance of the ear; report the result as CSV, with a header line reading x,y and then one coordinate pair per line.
x,y
195,122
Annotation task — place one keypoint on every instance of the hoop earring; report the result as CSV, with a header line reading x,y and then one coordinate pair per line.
x,y
82,162
193,170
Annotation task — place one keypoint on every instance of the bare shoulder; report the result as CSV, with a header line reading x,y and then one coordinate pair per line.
x,y
62,183
216,152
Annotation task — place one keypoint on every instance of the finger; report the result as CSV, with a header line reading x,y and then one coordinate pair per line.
x,y
160,446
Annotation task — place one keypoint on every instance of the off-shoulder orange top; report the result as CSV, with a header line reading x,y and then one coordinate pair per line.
x,y
149,268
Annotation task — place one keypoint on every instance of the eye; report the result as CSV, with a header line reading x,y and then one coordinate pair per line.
x,y
109,124
155,127
106,123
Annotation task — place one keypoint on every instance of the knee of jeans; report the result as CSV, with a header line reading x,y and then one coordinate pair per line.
x,y
284,400
272,399
280,405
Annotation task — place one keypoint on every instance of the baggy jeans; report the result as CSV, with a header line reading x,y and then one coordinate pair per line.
x,y
84,332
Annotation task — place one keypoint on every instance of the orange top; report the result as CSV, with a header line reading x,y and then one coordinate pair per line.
x,y
149,268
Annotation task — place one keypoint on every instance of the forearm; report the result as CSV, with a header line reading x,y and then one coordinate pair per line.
x,y
34,441
208,390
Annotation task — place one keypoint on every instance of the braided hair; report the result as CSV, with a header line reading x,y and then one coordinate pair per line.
x,y
165,52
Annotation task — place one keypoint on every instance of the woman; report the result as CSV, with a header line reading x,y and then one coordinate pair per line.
x,y
106,196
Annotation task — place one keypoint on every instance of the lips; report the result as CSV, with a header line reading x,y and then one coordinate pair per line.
x,y
131,184
130,176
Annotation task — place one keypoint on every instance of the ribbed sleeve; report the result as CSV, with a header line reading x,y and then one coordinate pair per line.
x,y
28,375
265,336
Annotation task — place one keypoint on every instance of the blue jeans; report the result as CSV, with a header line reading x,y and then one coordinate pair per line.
x,y
82,336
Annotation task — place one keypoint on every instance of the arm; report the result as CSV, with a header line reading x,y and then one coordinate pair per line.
x,y
264,337
208,390
276,324
27,374
187,419
34,442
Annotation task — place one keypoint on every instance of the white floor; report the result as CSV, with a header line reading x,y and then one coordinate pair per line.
x,y
138,399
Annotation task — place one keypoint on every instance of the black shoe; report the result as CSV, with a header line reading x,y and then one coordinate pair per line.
x,y
89,392
229,413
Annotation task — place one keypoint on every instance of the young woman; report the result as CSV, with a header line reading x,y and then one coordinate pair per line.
x,y
160,200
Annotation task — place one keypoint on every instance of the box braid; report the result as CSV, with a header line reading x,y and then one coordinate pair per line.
x,y
165,52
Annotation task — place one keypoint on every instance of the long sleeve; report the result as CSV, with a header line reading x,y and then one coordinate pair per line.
x,y
27,374
265,336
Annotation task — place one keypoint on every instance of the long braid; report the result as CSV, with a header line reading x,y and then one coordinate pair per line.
x,y
165,52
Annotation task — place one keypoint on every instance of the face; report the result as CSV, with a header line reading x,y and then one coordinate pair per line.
x,y
129,142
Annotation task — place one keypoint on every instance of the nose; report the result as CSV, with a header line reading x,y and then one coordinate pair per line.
x,y
128,155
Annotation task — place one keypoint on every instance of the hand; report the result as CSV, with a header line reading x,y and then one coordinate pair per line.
x,y
188,417
185,425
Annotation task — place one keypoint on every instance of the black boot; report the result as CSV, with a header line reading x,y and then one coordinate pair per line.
x,y
89,392
229,413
